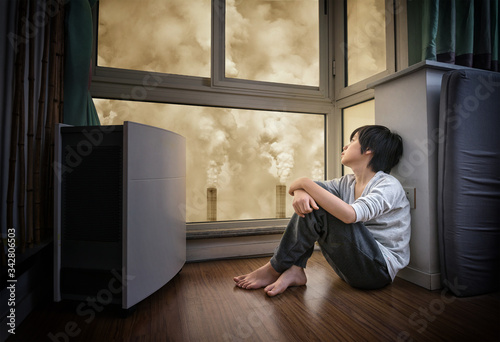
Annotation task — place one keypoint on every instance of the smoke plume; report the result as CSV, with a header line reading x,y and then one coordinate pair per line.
x,y
278,143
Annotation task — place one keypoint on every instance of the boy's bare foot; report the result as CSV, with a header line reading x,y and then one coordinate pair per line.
x,y
261,277
294,276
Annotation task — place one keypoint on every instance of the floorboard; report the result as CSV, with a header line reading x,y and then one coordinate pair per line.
x,y
202,304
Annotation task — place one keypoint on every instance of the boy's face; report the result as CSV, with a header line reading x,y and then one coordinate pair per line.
x,y
351,153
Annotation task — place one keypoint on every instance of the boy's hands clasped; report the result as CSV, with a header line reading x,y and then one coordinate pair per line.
x,y
303,203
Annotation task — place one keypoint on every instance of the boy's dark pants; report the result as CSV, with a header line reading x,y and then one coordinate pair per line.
x,y
350,249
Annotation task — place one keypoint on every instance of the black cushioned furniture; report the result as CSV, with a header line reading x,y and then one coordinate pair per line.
x,y
469,182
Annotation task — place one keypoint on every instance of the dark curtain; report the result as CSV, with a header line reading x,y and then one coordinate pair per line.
x,y
31,68
44,79
461,32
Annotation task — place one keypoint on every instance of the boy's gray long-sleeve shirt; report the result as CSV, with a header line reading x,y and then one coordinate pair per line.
x,y
384,210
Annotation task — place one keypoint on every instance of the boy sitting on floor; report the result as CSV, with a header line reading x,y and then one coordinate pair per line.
x,y
361,221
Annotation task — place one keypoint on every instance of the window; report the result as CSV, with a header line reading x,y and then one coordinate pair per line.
x,y
366,39
271,47
280,42
273,41
162,36
366,29
252,104
241,171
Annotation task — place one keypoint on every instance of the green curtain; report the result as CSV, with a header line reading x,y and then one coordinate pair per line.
x,y
79,109
462,32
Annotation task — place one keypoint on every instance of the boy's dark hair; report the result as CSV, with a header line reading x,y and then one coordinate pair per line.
x,y
386,146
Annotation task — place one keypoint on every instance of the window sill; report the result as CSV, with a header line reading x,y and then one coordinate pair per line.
x,y
232,232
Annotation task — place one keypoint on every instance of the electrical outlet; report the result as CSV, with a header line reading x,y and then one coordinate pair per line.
x,y
410,194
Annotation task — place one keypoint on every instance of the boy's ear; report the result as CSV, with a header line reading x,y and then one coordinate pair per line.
x,y
368,151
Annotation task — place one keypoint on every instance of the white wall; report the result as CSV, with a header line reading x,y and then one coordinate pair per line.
x,y
408,103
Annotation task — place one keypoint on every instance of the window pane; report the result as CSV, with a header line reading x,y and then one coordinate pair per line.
x,y
273,41
245,155
155,35
366,50
354,117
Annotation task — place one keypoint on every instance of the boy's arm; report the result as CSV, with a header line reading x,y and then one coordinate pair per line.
x,y
328,201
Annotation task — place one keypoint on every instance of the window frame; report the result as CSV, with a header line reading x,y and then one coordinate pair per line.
x,y
220,81
115,83
218,91
396,47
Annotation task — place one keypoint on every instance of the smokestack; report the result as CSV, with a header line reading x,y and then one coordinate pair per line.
x,y
280,201
212,204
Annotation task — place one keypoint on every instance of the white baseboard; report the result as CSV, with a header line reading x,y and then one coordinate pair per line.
x,y
430,281
231,247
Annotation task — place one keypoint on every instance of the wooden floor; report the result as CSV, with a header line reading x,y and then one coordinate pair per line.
x,y
202,304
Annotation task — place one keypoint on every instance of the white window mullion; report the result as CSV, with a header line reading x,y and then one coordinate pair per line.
x,y
218,42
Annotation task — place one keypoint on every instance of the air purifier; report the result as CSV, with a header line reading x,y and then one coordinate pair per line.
x,y
120,200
